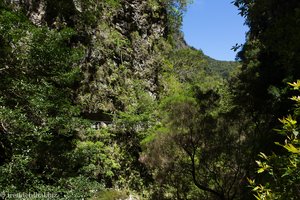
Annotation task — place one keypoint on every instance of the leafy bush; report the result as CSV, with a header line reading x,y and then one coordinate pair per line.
x,y
282,170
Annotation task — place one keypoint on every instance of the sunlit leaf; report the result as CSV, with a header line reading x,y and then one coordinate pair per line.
x,y
291,148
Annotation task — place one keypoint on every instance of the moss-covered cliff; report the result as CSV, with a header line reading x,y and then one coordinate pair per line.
x,y
122,40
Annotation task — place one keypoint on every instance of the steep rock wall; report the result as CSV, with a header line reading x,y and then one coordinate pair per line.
x,y
123,41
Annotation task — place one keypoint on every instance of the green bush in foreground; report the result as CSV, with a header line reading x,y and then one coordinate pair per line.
x,y
283,170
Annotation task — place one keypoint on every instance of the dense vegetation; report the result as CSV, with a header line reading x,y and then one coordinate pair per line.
x,y
104,100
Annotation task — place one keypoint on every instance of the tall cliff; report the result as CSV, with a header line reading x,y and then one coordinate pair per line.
x,y
123,43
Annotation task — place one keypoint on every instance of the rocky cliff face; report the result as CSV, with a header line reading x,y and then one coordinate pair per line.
x,y
123,55
123,41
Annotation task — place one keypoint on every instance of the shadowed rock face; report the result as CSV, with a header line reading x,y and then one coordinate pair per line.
x,y
48,11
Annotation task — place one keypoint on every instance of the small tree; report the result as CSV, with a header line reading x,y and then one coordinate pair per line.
x,y
196,152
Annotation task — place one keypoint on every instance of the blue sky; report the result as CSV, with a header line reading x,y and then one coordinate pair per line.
x,y
214,26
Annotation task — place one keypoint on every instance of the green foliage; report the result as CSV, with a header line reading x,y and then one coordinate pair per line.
x,y
283,170
39,120
175,10
131,128
79,187
269,59
193,127
190,65
225,69
110,195
98,160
